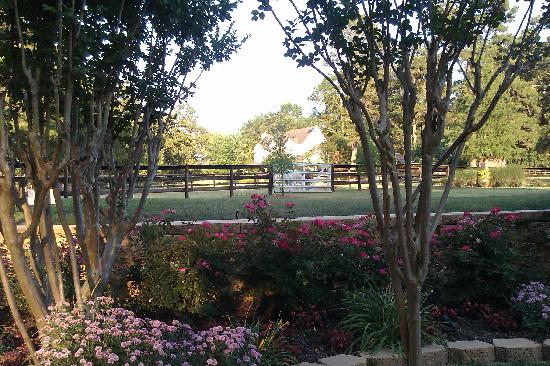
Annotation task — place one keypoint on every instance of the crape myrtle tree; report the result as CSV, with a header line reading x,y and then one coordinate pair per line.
x,y
80,80
356,44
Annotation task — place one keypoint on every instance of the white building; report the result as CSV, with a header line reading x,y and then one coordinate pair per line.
x,y
303,143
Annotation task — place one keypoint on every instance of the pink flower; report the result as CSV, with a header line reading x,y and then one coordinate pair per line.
x,y
511,217
465,248
255,196
304,229
363,255
182,269
206,225
495,210
204,264
290,205
180,238
319,223
495,234
382,271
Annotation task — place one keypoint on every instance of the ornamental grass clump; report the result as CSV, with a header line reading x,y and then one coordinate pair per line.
x,y
106,335
532,301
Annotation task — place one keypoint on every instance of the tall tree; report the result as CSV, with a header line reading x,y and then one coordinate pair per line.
x,y
184,140
512,131
79,79
369,42
226,150
288,117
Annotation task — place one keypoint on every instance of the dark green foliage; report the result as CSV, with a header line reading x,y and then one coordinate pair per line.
x,y
465,177
372,317
481,260
508,176
262,269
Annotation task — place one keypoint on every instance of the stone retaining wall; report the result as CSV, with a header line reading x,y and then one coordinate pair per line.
x,y
512,350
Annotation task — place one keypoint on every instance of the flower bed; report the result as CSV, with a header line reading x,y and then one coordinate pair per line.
x,y
106,335
308,289
265,268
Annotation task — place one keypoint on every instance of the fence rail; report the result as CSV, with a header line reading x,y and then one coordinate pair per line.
x,y
196,178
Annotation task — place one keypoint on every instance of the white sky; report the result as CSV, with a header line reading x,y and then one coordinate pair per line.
x,y
257,79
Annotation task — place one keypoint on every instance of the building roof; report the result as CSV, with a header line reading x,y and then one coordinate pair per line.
x,y
299,135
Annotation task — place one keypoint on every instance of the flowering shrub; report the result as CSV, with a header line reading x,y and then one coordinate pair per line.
x,y
497,320
532,301
481,260
270,265
106,335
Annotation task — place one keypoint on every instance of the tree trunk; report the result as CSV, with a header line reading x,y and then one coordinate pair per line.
x,y
414,355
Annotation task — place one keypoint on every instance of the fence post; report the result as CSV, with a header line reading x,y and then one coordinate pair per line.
x,y
186,180
332,178
358,179
271,181
231,178
66,183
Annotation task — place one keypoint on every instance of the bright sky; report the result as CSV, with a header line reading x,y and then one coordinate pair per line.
x,y
257,79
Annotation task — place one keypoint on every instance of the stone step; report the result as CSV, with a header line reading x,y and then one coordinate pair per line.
x,y
434,355
385,357
343,360
546,350
517,350
464,352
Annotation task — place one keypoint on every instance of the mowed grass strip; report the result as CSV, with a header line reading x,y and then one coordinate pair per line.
x,y
218,205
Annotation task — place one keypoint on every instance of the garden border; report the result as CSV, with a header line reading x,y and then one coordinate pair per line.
x,y
447,217
511,351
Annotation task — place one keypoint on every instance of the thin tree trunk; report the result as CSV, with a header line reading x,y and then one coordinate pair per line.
x,y
15,312
414,355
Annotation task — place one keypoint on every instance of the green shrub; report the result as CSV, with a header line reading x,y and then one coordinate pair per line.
x,y
508,176
372,318
481,260
261,269
465,178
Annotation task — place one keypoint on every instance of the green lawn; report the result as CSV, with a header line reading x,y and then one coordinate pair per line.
x,y
218,205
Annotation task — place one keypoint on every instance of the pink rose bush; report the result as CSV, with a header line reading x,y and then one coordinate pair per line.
x,y
201,269
106,335
473,250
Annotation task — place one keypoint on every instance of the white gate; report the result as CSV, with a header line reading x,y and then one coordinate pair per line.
x,y
305,177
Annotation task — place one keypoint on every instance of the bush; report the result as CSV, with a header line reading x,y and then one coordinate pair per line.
x,y
480,260
532,301
465,178
508,176
115,336
372,318
263,268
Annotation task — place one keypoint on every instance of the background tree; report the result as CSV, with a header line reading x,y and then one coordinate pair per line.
x,y
278,159
78,81
226,149
366,43
184,141
341,139
512,131
288,117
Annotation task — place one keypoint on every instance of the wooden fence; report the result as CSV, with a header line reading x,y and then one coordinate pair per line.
x,y
196,178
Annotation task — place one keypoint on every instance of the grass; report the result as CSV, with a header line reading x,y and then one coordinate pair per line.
x,y
218,205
